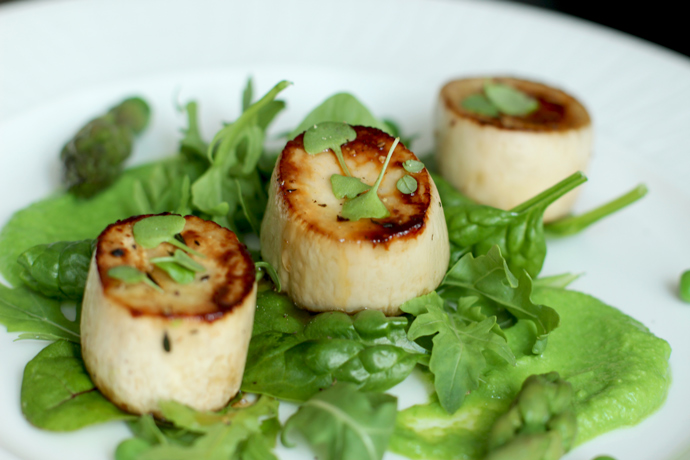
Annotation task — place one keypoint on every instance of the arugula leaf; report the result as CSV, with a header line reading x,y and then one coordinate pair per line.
x,y
557,281
342,423
519,232
38,317
223,432
457,357
234,153
489,278
58,395
341,107
192,142
293,355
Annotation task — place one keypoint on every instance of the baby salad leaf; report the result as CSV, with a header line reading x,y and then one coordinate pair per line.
x,y
58,395
368,204
293,355
167,189
341,107
457,357
342,423
519,233
57,270
272,273
347,187
489,278
509,100
329,135
38,317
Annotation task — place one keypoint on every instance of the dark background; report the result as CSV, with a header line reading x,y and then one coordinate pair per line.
x,y
658,21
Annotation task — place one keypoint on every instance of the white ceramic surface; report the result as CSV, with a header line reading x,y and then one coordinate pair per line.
x,y
62,62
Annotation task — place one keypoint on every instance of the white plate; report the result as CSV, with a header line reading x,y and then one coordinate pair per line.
x,y
63,62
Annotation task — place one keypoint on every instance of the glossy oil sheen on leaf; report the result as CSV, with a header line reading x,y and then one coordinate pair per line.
x,y
294,355
342,423
58,395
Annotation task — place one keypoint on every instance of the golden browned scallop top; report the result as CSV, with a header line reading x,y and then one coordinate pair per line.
x,y
303,183
226,282
558,111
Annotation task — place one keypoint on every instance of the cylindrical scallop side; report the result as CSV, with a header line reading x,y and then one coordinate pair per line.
x,y
137,355
328,264
505,161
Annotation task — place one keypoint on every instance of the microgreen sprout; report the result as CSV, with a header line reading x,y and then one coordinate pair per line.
x,y
180,267
368,204
154,230
347,187
499,98
413,166
407,184
329,135
130,275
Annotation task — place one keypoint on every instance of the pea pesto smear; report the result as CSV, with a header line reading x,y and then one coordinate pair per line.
x,y
606,356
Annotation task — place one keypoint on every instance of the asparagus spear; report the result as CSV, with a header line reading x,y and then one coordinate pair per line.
x,y
540,425
93,158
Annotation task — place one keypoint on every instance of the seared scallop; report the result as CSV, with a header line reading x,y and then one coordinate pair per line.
x,y
326,262
147,342
504,160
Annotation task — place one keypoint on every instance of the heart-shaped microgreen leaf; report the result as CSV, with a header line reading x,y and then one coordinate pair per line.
x,y
407,184
509,100
329,135
413,166
130,275
177,272
347,186
479,104
368,204
152,231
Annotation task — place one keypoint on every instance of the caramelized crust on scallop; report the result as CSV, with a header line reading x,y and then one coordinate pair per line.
x,y
226,283
557,110
301,179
